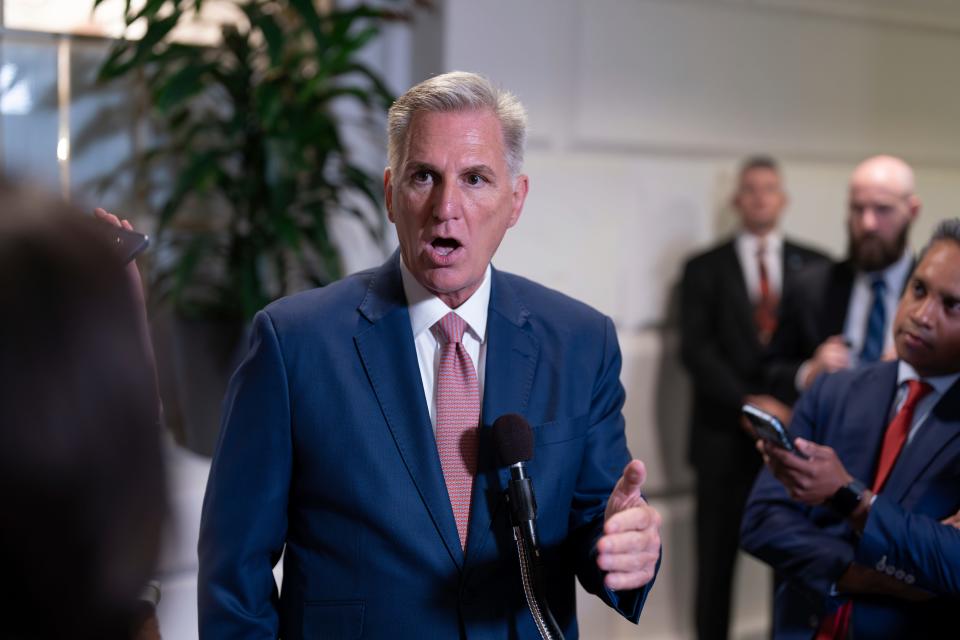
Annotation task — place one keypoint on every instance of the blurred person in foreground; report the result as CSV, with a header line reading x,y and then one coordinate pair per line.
x,y
729,309
852,532
840,314
353,439
82,488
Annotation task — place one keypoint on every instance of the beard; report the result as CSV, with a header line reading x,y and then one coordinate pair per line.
x,y
873,253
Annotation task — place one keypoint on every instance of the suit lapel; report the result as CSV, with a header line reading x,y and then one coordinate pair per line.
x,y
837,299
933,437
858,439
511,361
390,360
793,263
739,297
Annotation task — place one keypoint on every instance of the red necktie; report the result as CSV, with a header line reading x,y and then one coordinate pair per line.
x,y
458,417
765,311
836,626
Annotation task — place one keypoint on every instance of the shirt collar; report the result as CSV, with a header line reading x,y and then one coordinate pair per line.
x,y
426,309
749,242
940,384
893,276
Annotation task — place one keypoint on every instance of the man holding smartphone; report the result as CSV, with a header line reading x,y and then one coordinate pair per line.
x,y
853,532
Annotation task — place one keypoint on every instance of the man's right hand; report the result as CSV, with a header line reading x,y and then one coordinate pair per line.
x,y
832,355
953,521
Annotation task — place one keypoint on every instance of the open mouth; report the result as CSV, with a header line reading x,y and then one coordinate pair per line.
x,y
445,246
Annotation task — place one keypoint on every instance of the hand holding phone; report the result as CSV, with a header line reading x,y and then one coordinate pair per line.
x,y
127,242
770,429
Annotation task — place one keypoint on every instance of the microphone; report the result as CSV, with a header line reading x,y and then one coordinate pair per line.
x,y
514,441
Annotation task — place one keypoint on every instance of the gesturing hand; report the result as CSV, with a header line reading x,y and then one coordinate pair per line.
x,y
630,546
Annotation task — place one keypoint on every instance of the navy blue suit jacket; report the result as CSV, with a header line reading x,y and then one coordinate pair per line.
x,y
327,447
810,548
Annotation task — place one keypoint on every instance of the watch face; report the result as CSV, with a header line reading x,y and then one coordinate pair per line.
x,y
846,499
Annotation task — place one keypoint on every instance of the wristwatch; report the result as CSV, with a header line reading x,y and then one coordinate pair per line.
x,y
847,498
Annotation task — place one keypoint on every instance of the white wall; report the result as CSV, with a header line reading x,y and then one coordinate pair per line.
x,y
640,111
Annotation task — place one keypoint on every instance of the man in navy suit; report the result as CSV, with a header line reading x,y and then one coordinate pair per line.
x,y
335,448
852,531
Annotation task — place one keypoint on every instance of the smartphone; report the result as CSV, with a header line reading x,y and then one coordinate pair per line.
x,y
770,429
127,244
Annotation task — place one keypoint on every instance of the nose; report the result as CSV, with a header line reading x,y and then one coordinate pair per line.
x,y
868,219
447,205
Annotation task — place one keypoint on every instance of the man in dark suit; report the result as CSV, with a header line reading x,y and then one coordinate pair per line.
x,y
729,310
839,314
851,531
353,439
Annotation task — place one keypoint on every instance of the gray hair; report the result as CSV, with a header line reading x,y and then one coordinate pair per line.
x,y
458,91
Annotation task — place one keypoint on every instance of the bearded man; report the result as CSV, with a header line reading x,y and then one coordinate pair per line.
x,y
839,314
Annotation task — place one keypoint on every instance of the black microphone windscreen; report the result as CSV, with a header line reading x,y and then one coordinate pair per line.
x,y
514,439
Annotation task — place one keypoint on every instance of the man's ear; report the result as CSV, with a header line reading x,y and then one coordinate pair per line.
x,y
521,187
914,203
388,192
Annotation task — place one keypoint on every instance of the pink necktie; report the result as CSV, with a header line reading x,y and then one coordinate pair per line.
x,y
458,418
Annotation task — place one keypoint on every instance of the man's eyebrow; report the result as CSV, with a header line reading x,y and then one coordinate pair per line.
x,y
417,165
479,168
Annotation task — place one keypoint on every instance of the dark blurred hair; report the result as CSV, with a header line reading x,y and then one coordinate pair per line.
x,y
947,230
759,162
82,490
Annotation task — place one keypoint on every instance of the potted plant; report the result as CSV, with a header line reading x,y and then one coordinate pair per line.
x,y
248,163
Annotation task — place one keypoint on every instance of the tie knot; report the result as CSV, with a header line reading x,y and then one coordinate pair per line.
x,y
879,286
916,390
451,327
761,248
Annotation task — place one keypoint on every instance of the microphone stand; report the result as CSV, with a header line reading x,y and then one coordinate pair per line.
x,y
523,511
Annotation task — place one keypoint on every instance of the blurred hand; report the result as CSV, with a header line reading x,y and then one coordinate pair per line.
x,y
811,481
136,286
133,273
149,629
953,521
630,547
832,355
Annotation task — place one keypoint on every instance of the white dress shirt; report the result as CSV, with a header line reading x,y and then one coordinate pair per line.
x,y
746,245
861,300
425,311
940,384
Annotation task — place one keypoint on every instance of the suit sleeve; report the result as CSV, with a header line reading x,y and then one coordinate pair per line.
x,y
604,459
782,532
243,524
911,545
712,374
